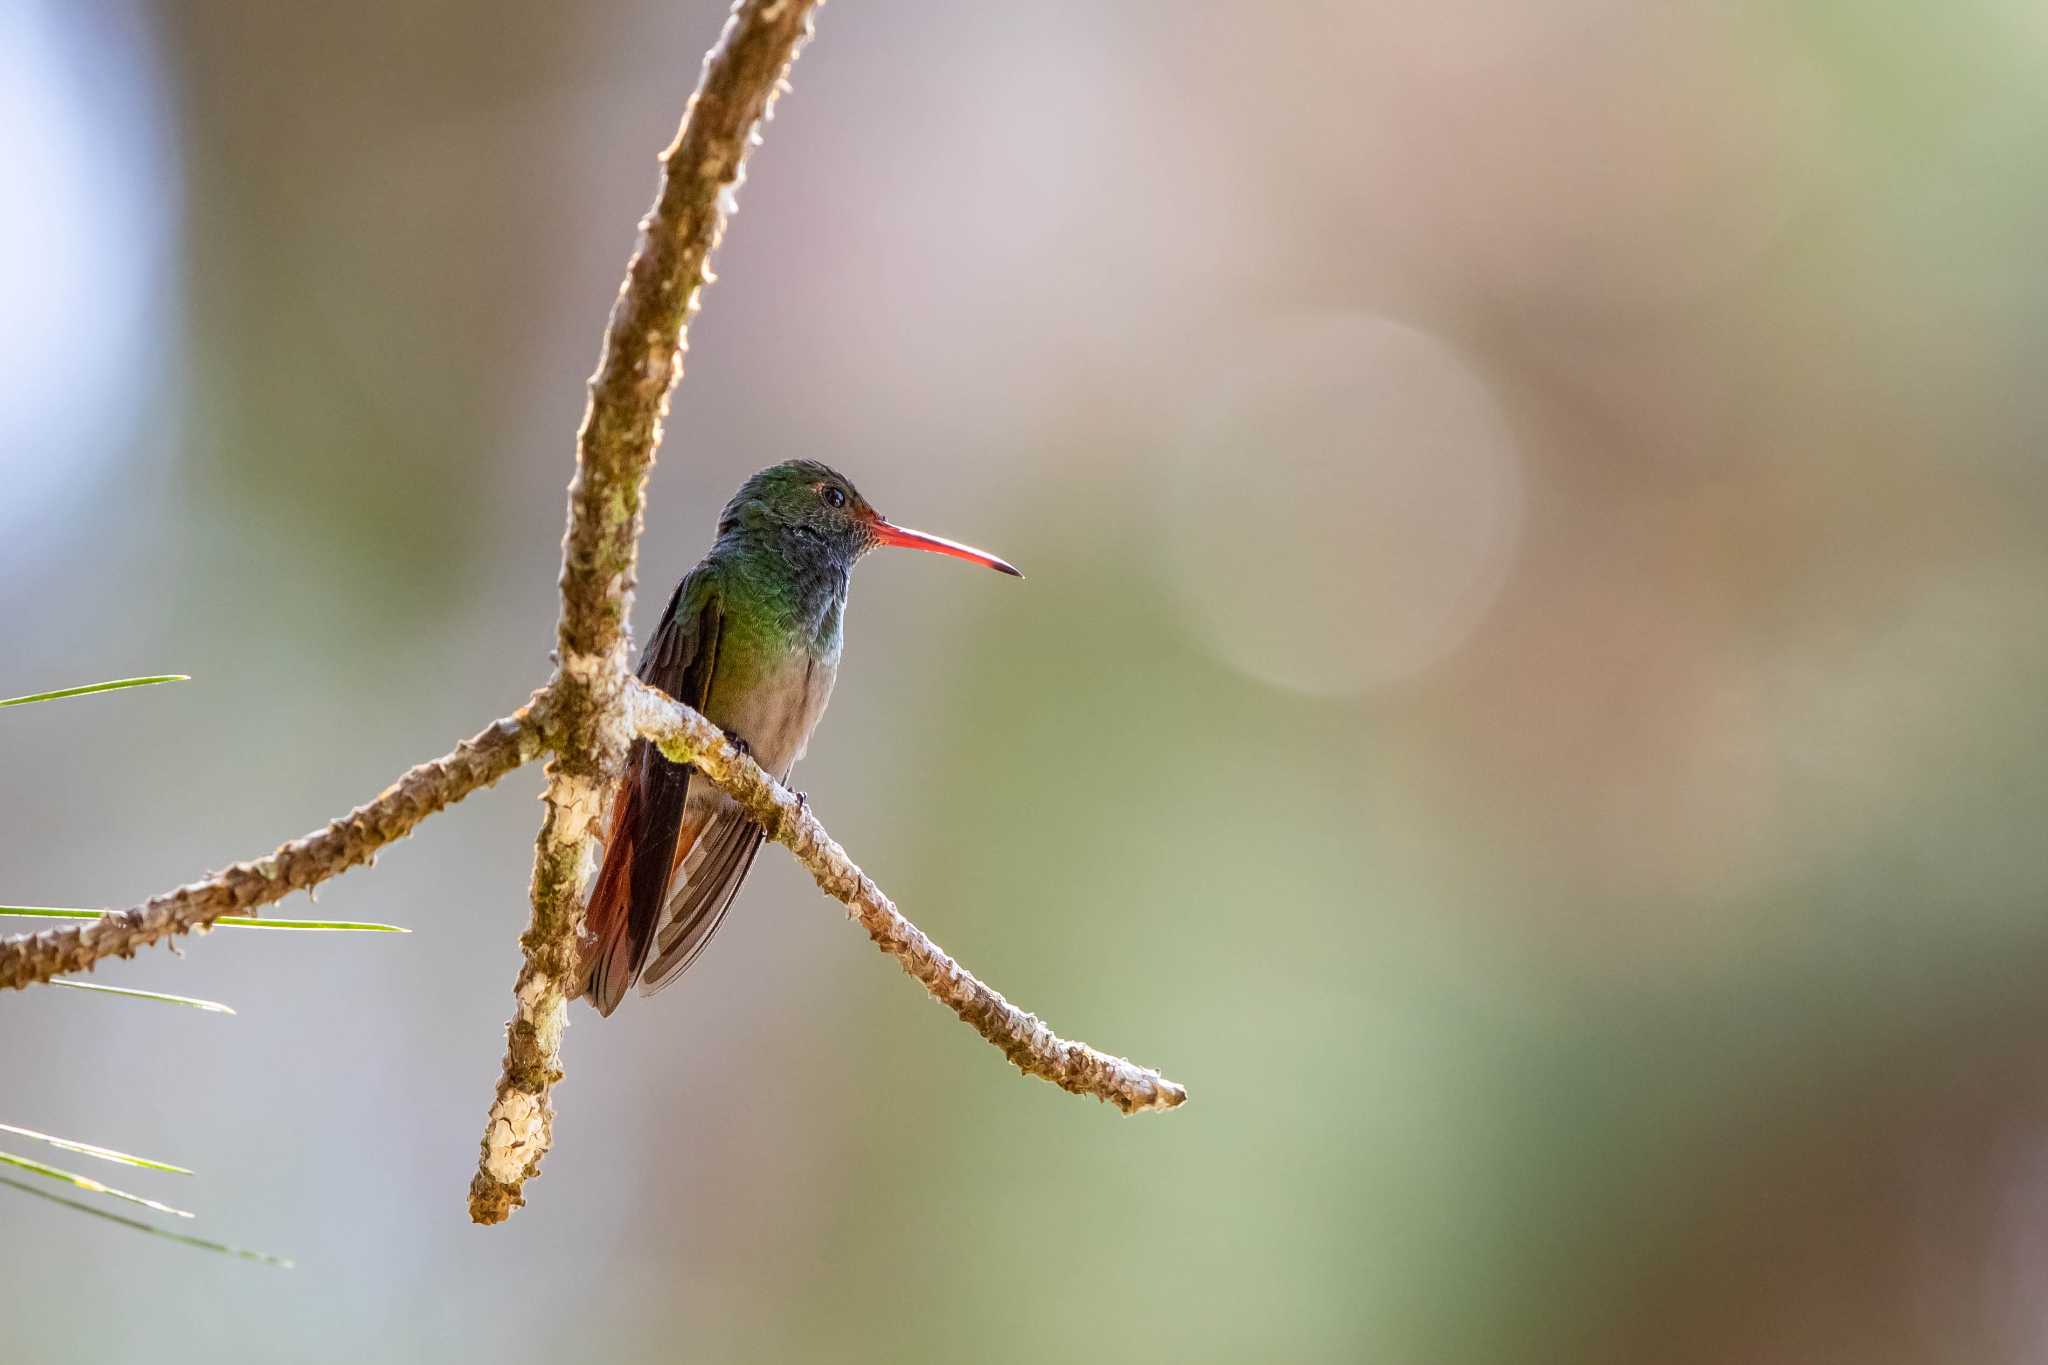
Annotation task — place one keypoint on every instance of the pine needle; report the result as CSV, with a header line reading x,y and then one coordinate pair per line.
x,y
87,1183
88,1149
90,688
210,1006
261,1257
231,921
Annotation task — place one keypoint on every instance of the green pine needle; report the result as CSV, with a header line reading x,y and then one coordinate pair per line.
x,y
90,688
88,1149
231,921
259,1256
87,1183
210,1006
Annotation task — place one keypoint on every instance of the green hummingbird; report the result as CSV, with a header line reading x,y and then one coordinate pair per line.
x,y
751,638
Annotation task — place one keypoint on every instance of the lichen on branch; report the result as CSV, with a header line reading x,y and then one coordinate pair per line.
x,y
299,865
640,364
685,736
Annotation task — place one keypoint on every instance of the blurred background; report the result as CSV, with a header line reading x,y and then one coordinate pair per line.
x,y
1528,698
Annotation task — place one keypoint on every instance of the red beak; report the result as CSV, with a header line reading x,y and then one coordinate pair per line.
x,y
887,534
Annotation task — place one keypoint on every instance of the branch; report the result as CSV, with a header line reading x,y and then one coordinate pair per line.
x,y
297,866
640,364
684,736
591,709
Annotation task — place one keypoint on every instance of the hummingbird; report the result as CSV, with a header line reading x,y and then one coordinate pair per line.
x,y
751,638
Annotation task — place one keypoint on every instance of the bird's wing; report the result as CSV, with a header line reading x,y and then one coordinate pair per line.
x,y
709,876
641,852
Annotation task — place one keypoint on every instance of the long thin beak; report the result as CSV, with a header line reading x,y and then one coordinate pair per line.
x,y
887,534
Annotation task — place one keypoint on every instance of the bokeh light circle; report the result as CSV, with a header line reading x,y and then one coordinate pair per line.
x,y
1343,508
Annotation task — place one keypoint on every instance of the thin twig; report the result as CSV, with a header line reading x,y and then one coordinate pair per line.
x,y
297,866
621,428
685,736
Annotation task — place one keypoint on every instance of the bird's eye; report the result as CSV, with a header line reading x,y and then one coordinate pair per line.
x,y
834,496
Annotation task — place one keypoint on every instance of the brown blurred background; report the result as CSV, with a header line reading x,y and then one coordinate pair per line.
x,y
1528,697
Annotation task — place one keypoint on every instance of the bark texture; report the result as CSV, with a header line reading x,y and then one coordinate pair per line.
x,y
640,364
685,736
300,865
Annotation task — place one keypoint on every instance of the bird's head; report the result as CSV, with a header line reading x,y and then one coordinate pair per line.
x,y
812,504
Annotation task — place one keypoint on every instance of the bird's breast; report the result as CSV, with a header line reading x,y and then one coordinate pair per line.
x,y
776,712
